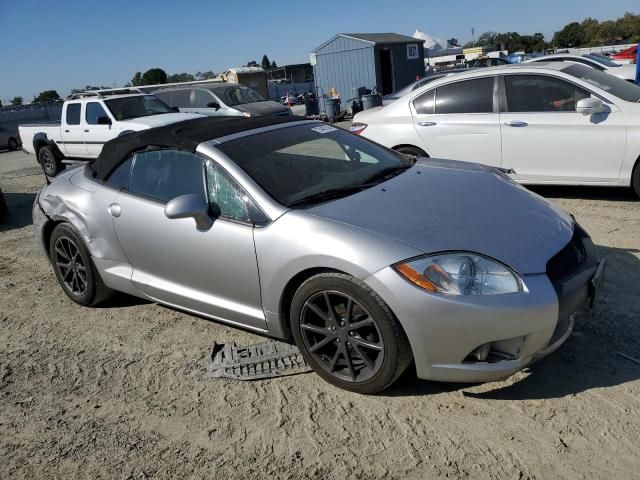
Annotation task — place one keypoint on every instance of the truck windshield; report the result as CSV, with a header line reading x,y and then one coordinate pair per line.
x,y
237,95
125,108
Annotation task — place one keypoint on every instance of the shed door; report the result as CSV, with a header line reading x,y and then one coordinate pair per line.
x,y
386,71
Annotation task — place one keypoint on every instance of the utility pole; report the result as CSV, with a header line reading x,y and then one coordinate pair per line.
x,y
473,35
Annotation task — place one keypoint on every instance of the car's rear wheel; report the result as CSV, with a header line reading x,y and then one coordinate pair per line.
x,y
74,268
635,179
410,151
50,164
348,334
13,144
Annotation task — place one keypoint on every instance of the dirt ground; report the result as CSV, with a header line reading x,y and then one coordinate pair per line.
x,y
121,391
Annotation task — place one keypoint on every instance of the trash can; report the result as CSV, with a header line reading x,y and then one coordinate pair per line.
x,y
370,101
311,107
332,108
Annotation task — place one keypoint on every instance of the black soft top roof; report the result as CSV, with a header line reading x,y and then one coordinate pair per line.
x,y
185,135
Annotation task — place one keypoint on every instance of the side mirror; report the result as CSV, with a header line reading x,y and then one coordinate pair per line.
x,y
175,109
190,206
104,120
589,106
215,105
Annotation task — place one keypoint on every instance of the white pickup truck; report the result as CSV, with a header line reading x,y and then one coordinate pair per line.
x,y
91,119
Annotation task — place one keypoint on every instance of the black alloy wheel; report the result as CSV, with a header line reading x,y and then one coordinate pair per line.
x,y
68,261
342,336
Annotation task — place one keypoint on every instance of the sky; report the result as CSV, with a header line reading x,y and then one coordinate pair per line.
x,y
67,44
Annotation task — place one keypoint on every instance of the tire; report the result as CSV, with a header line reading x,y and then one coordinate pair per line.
x,y
413,152
363,352
13,144
80,280
50,163
635,180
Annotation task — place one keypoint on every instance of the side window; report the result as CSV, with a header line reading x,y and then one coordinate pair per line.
x,y
233,203
119,178
166,174
181,98
164,95
202,98
424,103
93,111
468,96
537,93
73,113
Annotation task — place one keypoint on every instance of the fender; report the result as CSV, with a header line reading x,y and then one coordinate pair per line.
x,y
40,140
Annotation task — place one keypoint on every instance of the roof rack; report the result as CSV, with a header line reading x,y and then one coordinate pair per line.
x,y
104,93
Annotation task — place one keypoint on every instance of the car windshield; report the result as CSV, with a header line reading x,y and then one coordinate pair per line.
x,y
125,108
613,85
313,163
601,59
237,95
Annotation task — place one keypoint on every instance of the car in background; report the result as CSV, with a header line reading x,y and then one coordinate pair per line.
x,y
9,139
485,62
519,57
221,99
630,55
304,232
545,123
599,62
89,120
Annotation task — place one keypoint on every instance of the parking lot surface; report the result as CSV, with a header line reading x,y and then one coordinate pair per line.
x,y
121,391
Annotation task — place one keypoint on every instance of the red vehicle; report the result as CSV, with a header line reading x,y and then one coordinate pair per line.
x,y
629,55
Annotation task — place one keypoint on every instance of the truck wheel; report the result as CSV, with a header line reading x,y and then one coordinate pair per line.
x,y
13,144
50,164
635,179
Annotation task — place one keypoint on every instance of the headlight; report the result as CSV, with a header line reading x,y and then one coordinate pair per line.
x,y
461,273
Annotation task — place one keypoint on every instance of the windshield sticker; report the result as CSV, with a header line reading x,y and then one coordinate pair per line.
x,y
324,129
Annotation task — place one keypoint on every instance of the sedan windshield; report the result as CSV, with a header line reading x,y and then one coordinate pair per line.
x,y
313,163
237,95
125,108
613,85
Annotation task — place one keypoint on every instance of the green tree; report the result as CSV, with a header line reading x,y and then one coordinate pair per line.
x,y
453,42
16,101
136,81
572,35
265,64
252,63
208,75
47,96
273,64
180,77
154,76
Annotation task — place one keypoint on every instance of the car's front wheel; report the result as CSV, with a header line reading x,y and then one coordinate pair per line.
x,y
635,179
73,267
348,334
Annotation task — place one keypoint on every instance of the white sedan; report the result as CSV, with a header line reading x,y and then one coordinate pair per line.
x,y
554,123
593,60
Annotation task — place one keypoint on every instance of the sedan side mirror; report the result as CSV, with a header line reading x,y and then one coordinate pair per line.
x,y
215,105
589,106
190,206
175,109
104,120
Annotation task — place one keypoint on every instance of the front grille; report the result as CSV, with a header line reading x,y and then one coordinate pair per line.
x,y
571,258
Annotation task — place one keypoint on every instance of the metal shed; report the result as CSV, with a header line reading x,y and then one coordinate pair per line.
x,y
386,61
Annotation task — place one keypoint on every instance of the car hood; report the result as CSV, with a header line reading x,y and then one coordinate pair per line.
x,y
443,205
262,108
151,121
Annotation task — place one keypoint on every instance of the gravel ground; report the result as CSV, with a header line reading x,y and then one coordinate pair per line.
x,y
121,391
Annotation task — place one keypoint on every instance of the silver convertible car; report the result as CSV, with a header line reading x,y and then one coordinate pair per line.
x,y
291,228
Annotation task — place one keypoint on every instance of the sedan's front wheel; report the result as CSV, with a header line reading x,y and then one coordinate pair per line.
x,y
348,334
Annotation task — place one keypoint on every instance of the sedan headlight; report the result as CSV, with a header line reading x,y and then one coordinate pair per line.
x,y
461,273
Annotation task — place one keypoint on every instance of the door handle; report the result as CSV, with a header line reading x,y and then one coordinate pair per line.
x,y
427,124
86,131
66,131
115,210
516,123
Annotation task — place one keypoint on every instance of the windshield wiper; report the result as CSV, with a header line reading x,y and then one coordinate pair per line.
x,y
329,194
386,173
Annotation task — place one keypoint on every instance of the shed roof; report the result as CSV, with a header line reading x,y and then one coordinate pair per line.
x,y
372,38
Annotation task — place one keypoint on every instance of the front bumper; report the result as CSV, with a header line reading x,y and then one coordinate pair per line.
x,y
521,328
